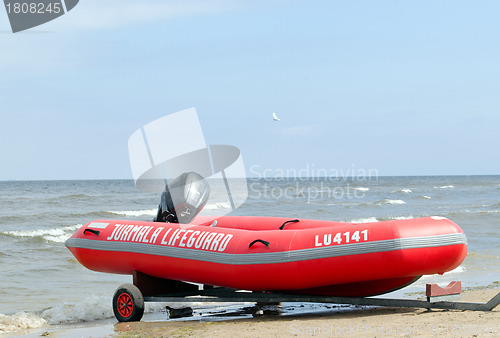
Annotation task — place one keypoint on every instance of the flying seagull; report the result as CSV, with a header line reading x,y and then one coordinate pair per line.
x,y
275,118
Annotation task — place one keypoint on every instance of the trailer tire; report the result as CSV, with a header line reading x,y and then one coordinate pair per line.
x,y
128,303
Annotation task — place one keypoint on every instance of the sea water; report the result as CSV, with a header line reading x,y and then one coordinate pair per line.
x,y
41,283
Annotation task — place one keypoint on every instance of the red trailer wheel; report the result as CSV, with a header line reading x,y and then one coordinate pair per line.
x,y
128,303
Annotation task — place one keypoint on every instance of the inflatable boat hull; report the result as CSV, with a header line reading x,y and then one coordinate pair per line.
x,y
253,253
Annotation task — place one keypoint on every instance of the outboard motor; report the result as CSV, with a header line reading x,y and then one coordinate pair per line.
x,y
183,199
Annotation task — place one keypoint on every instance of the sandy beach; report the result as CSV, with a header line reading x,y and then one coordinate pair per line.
x,y
363,322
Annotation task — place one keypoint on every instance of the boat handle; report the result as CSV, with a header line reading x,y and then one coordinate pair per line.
x,y
292,221
92,231
266,243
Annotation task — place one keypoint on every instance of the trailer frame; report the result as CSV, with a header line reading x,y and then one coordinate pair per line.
x,y
129,299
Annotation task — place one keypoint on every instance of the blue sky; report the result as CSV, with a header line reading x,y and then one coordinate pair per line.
x,y
403,88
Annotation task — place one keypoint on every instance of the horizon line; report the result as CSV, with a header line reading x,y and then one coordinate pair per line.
x,y
250,177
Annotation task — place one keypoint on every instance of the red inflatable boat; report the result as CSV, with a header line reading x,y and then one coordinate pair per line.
x,y
275,254
269,254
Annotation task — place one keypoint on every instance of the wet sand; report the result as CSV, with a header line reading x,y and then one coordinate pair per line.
x,y
372,322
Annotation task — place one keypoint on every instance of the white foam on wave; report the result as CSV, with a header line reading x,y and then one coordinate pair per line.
x,y
361,188
400,218
94,307
91,309
136,213
406,191
457,270
365,220
488,211
468,211
57,235
220,205
20,321
393,202
445,187
426,197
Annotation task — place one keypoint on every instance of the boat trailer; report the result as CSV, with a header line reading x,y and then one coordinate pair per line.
x,y
129,299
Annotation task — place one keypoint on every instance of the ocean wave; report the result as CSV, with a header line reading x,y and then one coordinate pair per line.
x,y
57,235
361,188
445,187
6,219
458,269
75,196
425,197
135,213
391,202
365,220
468,211
92,308
67,198
20,321
399,218
221,205
406,191
489,211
